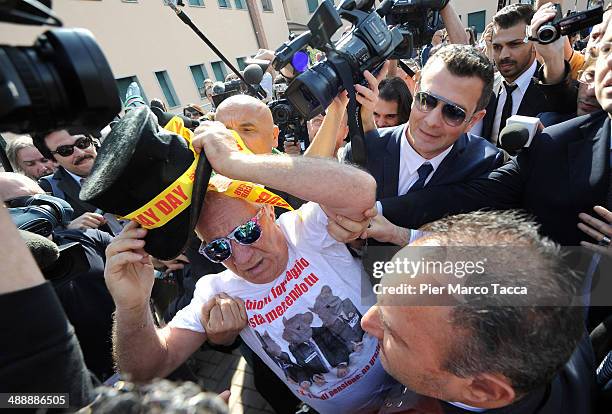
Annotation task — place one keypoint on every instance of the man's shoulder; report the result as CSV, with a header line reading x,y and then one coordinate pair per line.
x,y
569,130
474,144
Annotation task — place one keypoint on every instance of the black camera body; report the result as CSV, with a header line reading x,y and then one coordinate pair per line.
x,y
62,81
365,47
417,20
290,122
565,26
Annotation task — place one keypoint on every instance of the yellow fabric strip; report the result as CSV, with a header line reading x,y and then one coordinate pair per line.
x,y
177,196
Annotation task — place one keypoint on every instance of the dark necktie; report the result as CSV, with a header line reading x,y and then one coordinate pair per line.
x,y
424,170
507,110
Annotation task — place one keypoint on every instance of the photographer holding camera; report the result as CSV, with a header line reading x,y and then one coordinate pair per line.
x,y
83,295
529,88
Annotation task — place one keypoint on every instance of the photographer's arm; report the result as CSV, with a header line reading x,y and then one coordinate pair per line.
x,y
342,189
454,27
19,263
324,142
552,54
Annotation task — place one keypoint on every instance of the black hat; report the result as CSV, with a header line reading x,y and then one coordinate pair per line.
x,y
141,167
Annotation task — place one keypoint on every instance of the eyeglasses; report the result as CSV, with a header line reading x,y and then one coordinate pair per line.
x,y
452,114
219,250
68,150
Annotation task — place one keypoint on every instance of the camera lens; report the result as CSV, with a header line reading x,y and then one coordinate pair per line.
x,y
312,91
547,34
62,81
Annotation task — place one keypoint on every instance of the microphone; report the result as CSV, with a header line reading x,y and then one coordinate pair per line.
x,y
513,137
253,74
45,252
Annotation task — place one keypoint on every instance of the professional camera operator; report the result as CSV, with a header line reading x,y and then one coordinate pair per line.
x,y
85,298
40,352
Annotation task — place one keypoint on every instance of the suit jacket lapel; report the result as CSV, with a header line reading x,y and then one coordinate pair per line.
x,y
448,161
70,187
588,162
391,165
533,96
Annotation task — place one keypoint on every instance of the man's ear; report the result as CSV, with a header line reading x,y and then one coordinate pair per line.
x,y
488,390
477,117
275,132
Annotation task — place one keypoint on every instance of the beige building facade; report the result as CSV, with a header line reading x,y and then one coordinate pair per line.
x,y
145,41
472,12
479,13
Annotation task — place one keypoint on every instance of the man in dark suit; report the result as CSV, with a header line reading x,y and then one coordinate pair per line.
x,y
566,171
75,155
434,147
528,88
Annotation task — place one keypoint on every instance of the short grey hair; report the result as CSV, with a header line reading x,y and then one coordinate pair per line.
x,y
467,61
527,344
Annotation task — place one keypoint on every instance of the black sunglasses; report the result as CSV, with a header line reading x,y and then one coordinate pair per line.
x,y
68,150
219,250
452,114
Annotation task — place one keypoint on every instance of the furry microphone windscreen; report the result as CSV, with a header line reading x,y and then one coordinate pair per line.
x,y
45,252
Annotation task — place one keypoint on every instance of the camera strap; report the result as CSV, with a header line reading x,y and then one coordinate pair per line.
x,y
356,135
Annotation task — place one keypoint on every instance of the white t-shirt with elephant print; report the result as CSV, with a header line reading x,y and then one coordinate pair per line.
x,y
306,324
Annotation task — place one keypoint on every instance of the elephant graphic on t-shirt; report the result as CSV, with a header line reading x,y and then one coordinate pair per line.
x,y
315,349
341,317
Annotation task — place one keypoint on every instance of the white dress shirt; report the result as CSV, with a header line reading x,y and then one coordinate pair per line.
x,y
411,161
522,82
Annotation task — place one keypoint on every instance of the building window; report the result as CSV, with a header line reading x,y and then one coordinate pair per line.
x,y
199,3
240,4
478,21
166,86
241,63
267,5
219,70
312,5
199,74
124,83
224,4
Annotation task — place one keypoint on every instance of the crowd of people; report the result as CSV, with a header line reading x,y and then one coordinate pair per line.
x,y
277,269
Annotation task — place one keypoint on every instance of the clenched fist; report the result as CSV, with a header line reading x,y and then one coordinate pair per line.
x,y
223,317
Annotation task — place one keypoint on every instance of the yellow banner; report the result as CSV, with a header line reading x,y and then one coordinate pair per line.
x,y
177,196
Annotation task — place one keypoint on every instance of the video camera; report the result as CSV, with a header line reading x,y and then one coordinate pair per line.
x,y
565,26
365,47
61,81
38,216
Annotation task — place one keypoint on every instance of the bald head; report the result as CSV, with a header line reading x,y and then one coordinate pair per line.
x,y
16,185
253,121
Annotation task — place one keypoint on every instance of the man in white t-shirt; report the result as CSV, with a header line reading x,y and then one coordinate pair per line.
x,y
292,292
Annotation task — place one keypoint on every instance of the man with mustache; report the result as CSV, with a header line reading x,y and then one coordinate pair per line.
x,y
75,155
528,88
